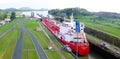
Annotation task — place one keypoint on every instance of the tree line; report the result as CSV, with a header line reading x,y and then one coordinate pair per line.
x,y
82,12
69,11
5,14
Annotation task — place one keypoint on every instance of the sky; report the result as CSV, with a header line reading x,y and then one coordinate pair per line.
x,y
90,5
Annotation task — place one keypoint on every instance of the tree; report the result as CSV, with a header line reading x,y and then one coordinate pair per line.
x,y
3,15
69,11
54,12
13,15
84,12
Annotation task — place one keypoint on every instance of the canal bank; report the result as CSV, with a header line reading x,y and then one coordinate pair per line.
x,y
105,49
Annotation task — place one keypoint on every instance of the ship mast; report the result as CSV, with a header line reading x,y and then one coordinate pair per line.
x,y
71,20
78,31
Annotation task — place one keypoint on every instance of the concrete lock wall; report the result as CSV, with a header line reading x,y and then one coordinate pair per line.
x,y
104,36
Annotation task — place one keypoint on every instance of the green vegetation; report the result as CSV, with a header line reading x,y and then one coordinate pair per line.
x,y
3,15
106,29
7,44
6,27
7,14
8,41
40,35
107,22
52,54
66,54
104,36
9,25
13,15
69,11
106,25
28,49
32,24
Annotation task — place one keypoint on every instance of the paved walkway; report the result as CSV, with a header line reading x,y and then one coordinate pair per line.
x,y
39,50
58,50
18,49
2,34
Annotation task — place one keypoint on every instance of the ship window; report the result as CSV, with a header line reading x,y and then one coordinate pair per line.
x,y
71,41
66,24
61,37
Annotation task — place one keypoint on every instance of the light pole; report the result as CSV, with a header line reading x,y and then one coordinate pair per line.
x,y
78,31
77,47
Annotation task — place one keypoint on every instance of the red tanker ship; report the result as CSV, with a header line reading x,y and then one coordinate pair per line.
x,y
67,34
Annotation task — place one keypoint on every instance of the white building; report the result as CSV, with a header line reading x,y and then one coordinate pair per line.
x,y
7,20
28,13
2,22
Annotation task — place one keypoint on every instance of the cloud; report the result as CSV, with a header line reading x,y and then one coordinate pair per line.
x,y
10,1
91,5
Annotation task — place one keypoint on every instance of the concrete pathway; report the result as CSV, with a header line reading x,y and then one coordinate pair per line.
x,y
18,49
39,50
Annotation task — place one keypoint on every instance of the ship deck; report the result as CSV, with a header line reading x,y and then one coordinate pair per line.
x,y
69,34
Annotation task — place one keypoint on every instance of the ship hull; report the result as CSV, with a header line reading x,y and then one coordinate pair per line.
x,y
83,49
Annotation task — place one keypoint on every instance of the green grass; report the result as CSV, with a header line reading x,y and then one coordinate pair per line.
x,y
66,54
45,42
28,49
104,25
3,28
8,43
107,29
32,24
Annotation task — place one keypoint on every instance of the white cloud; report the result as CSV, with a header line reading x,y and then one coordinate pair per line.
x,y
10,1
91,5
